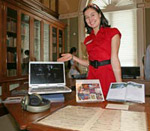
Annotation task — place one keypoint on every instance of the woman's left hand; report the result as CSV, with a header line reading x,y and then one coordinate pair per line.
x,y
65,57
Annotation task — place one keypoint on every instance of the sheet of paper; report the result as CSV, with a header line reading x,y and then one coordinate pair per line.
x,y
96,119
133,121
117,106
72,117
135,92
117,91
109,120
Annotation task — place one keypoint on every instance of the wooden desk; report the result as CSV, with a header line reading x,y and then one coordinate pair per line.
x,y
27,120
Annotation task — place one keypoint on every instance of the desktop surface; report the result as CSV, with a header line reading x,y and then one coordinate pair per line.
x,y
27,120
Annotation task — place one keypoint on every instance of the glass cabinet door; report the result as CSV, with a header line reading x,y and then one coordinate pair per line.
x,y
11,42
25,43
60,42
46,42
37,39
54,43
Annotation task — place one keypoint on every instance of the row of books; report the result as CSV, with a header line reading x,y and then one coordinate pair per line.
x,y
12,26
11,57
11,42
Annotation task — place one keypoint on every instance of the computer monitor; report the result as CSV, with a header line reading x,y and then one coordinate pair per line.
x,y
130,72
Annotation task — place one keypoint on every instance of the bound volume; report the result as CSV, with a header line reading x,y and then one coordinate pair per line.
x,y
129,91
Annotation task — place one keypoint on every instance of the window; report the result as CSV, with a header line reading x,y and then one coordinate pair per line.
x,y
126,22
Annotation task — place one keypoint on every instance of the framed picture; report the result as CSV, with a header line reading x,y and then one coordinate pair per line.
x,y
88,91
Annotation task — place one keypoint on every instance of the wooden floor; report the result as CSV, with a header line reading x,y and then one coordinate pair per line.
x,y
7,123
3,110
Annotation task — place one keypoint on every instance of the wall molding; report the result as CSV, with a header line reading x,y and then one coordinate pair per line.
x,y
69,15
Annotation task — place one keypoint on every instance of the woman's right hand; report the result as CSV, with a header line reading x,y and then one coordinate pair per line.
x,y
65,57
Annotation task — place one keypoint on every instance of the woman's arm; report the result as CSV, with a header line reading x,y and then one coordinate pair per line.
x,y
76,66
68,56
115,44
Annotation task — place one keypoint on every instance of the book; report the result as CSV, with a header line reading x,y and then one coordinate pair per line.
x,y
53,97
126,91
88,91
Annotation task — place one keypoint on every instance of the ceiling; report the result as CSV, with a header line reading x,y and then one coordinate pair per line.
x,y
68,6
71,6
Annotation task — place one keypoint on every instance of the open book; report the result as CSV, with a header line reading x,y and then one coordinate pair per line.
x,y
88,91
129,91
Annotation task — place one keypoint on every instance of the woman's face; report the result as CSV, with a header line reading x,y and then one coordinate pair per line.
x,y
74,53
92,18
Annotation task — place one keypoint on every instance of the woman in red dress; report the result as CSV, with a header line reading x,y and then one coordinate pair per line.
x,y
102,46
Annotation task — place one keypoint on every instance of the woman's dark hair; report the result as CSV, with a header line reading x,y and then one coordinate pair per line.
x,y
73,49
26,52
104,21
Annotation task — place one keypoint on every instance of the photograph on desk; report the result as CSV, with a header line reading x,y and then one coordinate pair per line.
x,y
126,91
88,91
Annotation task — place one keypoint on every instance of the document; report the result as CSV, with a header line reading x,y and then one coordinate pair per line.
x,y
88,91
96,119
118,106
13,99
129,91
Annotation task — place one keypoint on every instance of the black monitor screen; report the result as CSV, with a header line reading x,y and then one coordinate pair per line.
x,y
130,72
46,73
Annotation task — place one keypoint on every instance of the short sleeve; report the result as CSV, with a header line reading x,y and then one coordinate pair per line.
x,y
115,31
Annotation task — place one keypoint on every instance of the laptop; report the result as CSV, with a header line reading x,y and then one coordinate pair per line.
x,y
47,78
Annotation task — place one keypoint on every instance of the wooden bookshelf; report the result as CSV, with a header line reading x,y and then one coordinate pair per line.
x,y
28,33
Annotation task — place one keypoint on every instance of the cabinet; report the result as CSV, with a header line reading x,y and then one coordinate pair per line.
x,y
25,37
11,47
61,41
46,42
57,42
27,34
54,42
37,39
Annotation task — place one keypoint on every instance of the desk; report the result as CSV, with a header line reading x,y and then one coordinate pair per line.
x,y
27,120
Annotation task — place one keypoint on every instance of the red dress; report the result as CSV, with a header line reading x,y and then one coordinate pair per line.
x,y
99,48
